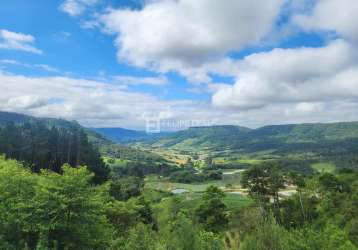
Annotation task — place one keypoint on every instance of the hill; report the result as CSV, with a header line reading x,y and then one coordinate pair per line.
x,y
20,119
199,138
44,143
331,142
104,145
269,137
16,118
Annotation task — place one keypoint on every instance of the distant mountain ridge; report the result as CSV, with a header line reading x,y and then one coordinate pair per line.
x,y
273,137
126,136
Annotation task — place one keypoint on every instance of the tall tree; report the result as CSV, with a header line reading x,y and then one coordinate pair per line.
x,y
212,212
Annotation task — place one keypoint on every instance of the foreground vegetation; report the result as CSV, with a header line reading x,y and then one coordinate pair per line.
x,y
48,210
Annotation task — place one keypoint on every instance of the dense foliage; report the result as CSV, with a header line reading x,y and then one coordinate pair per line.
x,y
321,215
48,210
192,176
51,210
41,147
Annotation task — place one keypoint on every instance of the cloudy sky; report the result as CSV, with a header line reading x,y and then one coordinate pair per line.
x,y
190,62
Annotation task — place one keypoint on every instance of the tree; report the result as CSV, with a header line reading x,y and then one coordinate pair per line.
x,y
299,182
50,210
125,188
17,189
267,236
264,183
329,182
212,212
183,234
140,237
70,211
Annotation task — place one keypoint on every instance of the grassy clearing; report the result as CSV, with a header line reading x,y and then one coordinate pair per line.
x,y
115,161
171,155
324,167
250,161
195,191
232,160
236,200
163,184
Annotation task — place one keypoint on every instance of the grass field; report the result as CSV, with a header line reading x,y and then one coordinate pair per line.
x,y
236,200
324,167
194,191
165,185
154,182
239,160
116,161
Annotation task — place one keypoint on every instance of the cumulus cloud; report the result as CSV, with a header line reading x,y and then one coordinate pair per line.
x,y
90,102
17,41
293,75
308,79
97,103
176,35
331,15
76,7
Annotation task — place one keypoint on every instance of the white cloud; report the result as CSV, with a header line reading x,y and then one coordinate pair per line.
x,y
194,37
96,103
17,41
90,102
76,7
306,107
43,67
177,35
46,68
294,75
26,102
9,61
132,80
331,15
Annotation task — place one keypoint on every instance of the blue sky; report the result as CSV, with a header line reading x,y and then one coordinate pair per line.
x,y
203,61
76,51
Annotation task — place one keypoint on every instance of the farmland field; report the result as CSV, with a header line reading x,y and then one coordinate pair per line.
x,y
324,167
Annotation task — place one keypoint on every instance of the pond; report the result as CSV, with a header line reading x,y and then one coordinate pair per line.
x,y
179,191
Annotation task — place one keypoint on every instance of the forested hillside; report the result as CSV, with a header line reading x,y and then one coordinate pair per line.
x,y
48,144
337,142
274,137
